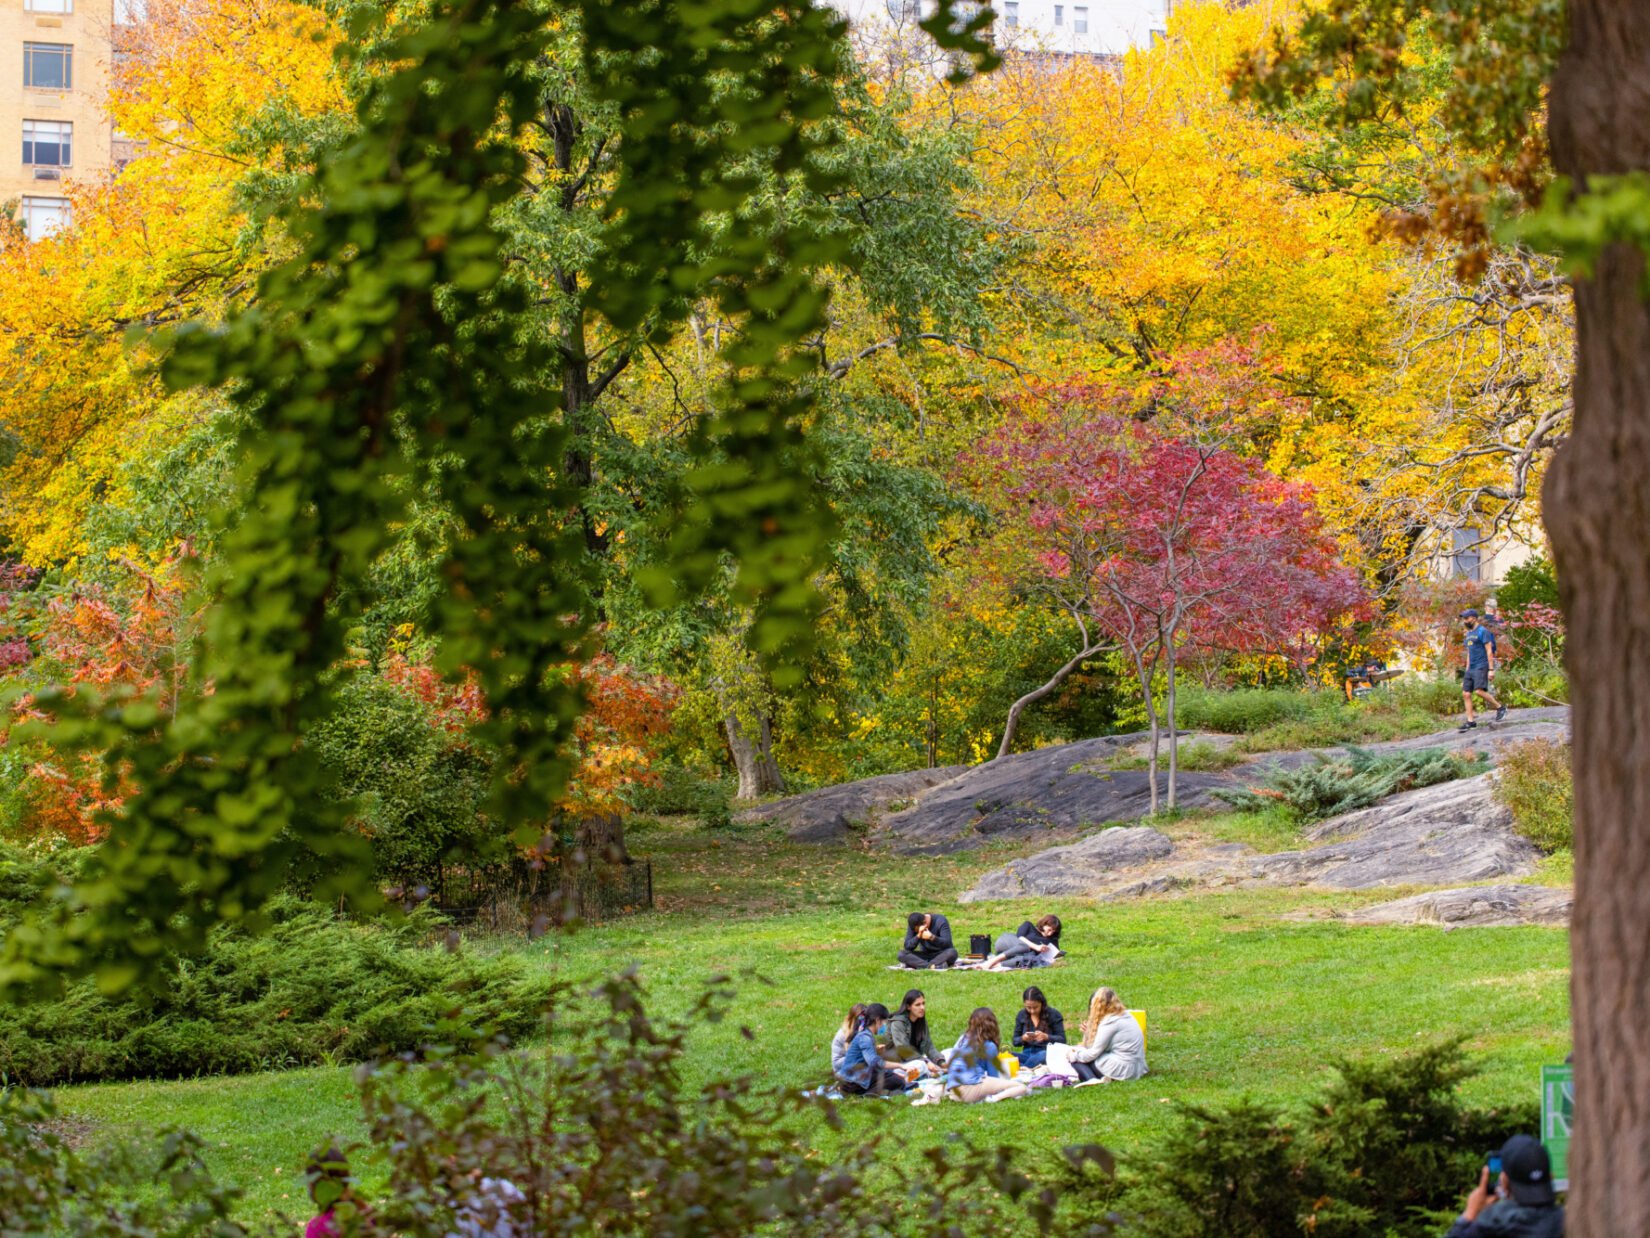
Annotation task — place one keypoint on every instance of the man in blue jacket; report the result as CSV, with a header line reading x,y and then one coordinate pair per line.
x,y
1520,1203
1480,668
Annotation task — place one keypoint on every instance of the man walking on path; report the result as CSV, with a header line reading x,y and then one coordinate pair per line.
x,y
1480,668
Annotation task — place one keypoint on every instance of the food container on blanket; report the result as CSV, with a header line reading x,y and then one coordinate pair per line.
x,y
1140,1018
1008,1064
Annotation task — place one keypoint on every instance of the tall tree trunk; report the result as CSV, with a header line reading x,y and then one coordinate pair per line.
x,y
1146,673
1597,506
753,756
1168,710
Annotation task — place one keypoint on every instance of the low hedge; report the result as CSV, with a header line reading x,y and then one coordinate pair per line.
x,y
316,988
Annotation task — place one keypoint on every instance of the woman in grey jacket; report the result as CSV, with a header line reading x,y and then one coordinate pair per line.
x,y
1113,1048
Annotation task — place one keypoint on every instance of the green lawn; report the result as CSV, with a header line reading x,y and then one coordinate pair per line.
x,y
1248,992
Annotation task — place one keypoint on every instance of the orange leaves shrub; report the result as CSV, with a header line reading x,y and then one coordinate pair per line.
x,y
94,639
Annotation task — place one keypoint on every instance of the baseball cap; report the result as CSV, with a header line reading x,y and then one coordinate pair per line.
x,y
1469,614
1529,1170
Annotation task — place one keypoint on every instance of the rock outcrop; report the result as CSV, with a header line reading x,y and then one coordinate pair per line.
x,y
1474,907
1066,787
1075,869
831,813
1443,835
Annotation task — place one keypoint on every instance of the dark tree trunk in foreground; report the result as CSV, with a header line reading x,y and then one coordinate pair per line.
x,y
1597,504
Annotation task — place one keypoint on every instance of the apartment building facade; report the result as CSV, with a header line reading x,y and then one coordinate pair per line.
x,y
1098,29
55,57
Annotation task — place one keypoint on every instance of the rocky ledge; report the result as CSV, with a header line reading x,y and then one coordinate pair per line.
x,y
1448,834
1474,907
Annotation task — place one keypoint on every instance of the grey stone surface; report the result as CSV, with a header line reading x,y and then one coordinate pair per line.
x,y
1064,787
1441,836
1474,907
830,813
1075,869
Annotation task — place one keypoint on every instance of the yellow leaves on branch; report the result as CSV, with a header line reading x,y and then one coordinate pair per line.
x,y
167,240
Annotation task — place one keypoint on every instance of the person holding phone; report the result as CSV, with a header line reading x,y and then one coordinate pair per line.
x,y
1037,1025
1514,1196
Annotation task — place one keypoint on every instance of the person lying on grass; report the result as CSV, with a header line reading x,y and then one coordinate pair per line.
x,y
909,1040
845,1033
1030,945
863,1071
1037,1025
1113,1048
927,941
972,1074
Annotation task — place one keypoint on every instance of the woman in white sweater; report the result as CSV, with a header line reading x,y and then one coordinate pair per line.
x,y
1113,1047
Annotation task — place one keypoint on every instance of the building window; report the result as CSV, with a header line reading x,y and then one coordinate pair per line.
x,y
1011,14
41,217
1079,20
49,6
1464,562
905,10
48,66
46,143
1059,15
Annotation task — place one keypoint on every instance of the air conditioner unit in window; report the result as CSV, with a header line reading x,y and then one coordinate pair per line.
x,y
47,174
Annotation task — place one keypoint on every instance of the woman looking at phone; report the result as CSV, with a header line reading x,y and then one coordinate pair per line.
x,y
1037,1025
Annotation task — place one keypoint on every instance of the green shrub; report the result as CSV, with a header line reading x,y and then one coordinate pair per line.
x,y
1430,694
1240,710
419,787
685,792
1386,1148
314,988
1533,779
1328,786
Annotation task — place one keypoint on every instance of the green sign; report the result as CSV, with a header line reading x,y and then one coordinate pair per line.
x,y
1558,1103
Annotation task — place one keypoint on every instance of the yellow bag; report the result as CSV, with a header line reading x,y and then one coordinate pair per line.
x,y
1008,1064
1140,1018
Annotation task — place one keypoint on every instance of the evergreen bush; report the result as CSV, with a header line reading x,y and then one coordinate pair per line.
x,y
315,988
1331,785
1383,1153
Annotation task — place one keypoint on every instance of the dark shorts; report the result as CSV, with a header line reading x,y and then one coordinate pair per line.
x,y
1476,680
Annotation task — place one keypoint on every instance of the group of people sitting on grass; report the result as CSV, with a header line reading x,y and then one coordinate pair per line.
x,y
875,1053
928,944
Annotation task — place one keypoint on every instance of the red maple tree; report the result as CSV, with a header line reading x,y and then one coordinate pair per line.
x,y
1132,512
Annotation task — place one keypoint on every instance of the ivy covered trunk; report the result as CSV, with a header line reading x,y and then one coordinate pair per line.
x,y
1598,514
751,742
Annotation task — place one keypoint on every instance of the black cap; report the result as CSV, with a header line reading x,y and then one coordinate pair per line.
x,y
1528,1168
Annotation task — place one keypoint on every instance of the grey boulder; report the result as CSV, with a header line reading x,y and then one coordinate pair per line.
x,y
831,813
1076,869
1064,787
1441,835
1474,907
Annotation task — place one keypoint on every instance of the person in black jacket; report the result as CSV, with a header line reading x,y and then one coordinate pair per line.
x,y
1030,945
927,941
1037,1025
1520,1203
